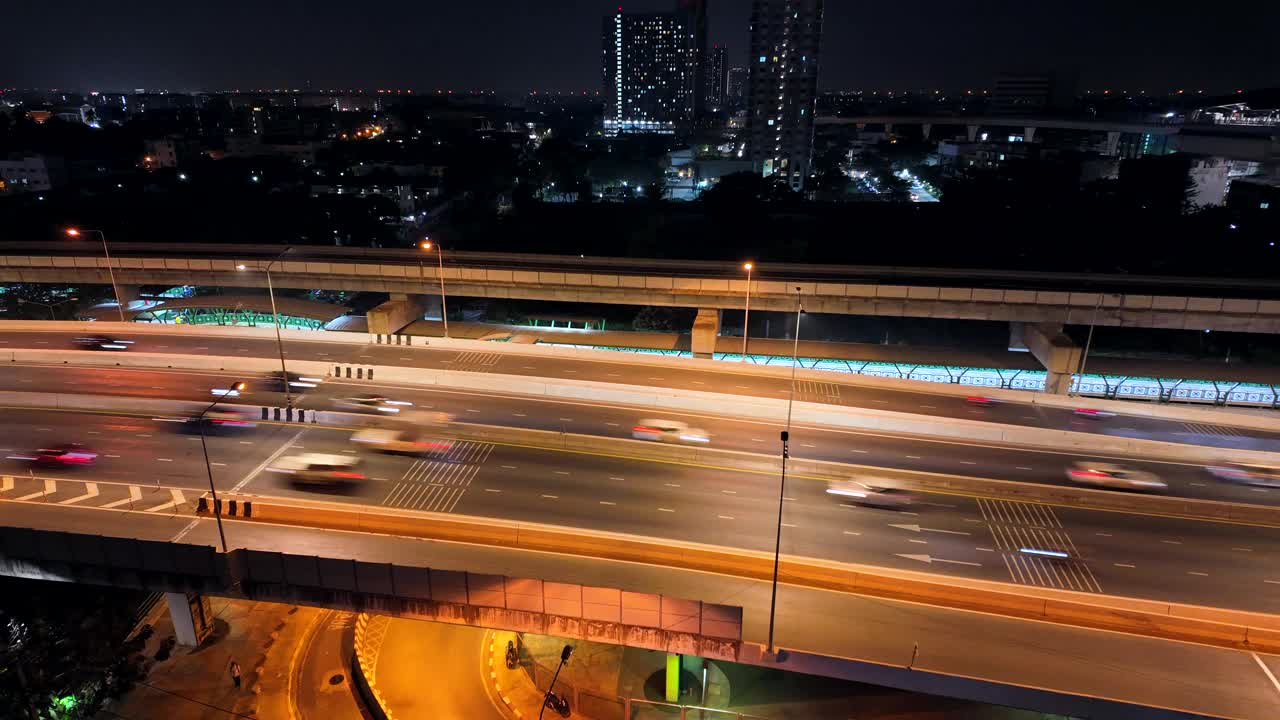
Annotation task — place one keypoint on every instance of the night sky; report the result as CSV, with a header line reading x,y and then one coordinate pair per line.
x,y
518,45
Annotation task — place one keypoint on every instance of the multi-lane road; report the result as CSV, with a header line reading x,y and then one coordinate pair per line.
x,y
634,371
146,465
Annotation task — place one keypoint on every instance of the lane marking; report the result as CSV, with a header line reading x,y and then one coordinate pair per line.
x,y
1243,549
725,517
177,499
1171,542
661,509
1201,574
606,502
1124,565
164,459
729,492
671,484
562,472
508,467
913,457
1274,683
617,478
493,490
183,532
135,494
90,491
50,487
1019,467
552,497
850,532
270,459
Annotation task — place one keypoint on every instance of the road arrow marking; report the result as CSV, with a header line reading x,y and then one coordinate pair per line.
x,y
917,528
930,560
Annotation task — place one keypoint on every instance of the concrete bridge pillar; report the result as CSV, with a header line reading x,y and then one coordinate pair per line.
x,y
972,130
1113,144
926,128
706,328
1028,134
192,617
1059,355
396,313
888,128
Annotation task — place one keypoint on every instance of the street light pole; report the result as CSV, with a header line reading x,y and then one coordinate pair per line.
x,y
275,320
564,658
746,313
75,232
444,306
204,447
1084,358
782,485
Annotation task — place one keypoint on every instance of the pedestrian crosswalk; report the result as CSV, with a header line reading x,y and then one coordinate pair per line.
x,y
96,494
815,391
1035,547
438,484
1207,429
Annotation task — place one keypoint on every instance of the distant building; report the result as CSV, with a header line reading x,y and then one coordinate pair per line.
x,y
31,173
169,152
1257,196
786,39
649,72
695,23
736,87
1032,93
715,70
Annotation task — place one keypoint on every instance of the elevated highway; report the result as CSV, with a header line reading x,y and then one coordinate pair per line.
x,y
1039,298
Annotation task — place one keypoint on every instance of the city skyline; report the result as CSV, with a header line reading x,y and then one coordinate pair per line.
x,y
554,47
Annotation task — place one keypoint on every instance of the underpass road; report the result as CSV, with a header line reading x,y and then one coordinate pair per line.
x,y
837,445
633,371
1159,558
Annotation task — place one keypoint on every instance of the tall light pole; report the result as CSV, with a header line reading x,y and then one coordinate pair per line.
x,y
746,313
564,658
444,307
1084,358
77,232
275,318
234,390
786,453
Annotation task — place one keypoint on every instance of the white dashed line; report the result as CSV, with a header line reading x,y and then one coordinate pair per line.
x,y
1124,565
665,510
807,445
566,419
729,492
164,459
1200,574
519,414
606,502
617,478
562,472
966,462
919,542
1102,534
492,490
913,457
218,464
850,532
246,442
985,549
1019,467
610,424
725,517
113,456
671,484
862,452
508,467
930,407
143,435
1243,549
1171,542
788,525
551,497
474,411
756,440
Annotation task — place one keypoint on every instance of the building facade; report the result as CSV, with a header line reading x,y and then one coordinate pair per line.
x,y
736,87
31,173
782,89
649,72
714,71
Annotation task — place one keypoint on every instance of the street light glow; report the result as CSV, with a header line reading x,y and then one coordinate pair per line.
x,y
73,232
748,266
241,266
425,245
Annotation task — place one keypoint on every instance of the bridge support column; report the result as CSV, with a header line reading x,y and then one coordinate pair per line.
x,y
1059,355
128,295
397,312
926,128
192,617
1113,144
1028,134
972,130
706,327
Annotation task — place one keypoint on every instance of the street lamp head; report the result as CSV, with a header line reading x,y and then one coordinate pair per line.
x,y
241,266
240,386
73,232
565,653
425,245
748,266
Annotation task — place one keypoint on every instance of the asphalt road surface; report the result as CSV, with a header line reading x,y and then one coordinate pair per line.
x,y
634,372
144,465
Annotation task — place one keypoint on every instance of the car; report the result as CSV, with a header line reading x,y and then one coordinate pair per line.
x,y
1107,475
101,342
669,431
215,421
371,403
1092,413
1246,474
319,469
65,455
276,381
863,493
402,442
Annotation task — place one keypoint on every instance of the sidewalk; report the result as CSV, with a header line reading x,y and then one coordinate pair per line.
x,y
266,639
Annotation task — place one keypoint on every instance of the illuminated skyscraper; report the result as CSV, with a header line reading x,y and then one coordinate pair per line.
x,y
649,72
786,38
714,74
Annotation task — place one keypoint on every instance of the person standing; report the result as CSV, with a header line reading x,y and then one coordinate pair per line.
x,y
235,674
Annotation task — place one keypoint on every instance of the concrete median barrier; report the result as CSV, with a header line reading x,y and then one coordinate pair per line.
x,y
1230,629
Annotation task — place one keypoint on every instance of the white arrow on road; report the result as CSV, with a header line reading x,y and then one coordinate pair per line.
x,y
930,560
917,528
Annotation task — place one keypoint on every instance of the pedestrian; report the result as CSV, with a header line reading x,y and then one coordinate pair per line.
x,y
235,674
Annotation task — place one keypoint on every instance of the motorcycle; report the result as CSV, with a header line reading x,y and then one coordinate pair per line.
x,y
513,657
559,704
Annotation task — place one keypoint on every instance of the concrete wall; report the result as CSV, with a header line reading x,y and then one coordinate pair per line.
x,y
1039,306
396,313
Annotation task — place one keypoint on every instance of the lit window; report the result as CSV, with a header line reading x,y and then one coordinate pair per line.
x,y
1264,206
762,58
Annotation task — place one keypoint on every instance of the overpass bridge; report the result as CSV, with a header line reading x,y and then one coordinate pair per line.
x,y
1036,304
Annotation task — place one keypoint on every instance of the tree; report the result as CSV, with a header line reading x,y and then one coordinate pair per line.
x,y
655,319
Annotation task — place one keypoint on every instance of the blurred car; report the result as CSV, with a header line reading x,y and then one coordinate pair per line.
x,y
980,400
65,455
213,422
862,493
1106,475
319,468
669,431
371,403
1260,475
402,442
101,342
1092,414
276,381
